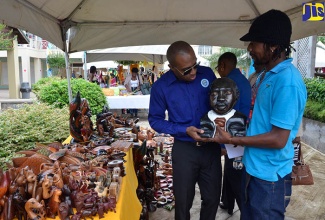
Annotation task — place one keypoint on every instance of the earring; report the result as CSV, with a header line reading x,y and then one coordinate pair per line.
x,y
272,50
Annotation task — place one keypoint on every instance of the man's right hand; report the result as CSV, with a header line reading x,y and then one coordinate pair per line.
x,y
194,132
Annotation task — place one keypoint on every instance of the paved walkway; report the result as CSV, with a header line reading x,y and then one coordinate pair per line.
x,y
4,94
307,202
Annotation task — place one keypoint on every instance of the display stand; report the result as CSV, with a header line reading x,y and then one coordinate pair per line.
x,y
128,206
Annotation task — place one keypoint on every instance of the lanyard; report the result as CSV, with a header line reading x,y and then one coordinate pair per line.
x,y
255,87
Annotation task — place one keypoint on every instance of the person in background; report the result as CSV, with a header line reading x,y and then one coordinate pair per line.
x,y
153,74
101,80
278,111
183,91
92,72
141,70
231,187
73,74
146,85
132,84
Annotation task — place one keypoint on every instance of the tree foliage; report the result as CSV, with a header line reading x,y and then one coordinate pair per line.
x,y
6,38
56,62
321,38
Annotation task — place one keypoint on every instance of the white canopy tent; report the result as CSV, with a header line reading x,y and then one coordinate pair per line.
x,y
149,53
320,55
97,24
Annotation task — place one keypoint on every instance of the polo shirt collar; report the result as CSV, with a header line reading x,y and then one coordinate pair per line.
x,y
284,64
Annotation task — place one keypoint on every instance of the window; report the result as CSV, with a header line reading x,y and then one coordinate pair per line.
x,y
205,50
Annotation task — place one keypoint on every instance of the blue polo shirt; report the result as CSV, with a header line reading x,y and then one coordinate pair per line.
x,y
280,101
186,102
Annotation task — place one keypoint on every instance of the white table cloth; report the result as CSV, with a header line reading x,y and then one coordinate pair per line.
x,y
131,101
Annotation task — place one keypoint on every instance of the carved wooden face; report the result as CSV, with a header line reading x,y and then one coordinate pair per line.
x,y
223,96
236,126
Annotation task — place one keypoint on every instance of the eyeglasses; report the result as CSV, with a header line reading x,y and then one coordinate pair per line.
x,y
216,67
189,70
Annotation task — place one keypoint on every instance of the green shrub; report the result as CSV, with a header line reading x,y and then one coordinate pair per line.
x,y
315,107
315,110
22,128
316,89
37,87
54,91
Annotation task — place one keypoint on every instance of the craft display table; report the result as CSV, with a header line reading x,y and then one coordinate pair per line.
x,y
130,101
128,206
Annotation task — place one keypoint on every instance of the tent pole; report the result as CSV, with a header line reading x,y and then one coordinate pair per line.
x,y
67,69
85,65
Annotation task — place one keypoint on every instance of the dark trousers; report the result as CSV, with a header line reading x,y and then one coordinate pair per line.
x,y
134,112
196,164
231,187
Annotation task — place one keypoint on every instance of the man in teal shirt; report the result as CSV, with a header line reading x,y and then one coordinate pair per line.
x,y
277,114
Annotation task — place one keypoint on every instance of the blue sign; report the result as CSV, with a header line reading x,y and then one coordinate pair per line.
x,y
313,11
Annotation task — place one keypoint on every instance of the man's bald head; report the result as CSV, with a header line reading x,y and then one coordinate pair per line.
x,y
178,48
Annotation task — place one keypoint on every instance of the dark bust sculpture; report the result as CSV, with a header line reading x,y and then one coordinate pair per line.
x,y
223,96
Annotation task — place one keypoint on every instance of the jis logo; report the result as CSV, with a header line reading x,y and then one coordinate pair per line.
x,y
313,11
205,83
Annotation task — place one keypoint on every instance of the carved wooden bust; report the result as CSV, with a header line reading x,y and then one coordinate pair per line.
x,y
223,96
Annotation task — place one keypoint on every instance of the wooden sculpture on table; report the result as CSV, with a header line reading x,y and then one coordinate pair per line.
x,y
35,210
81,127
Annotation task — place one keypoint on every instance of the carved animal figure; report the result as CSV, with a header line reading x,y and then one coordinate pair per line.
x,y
88,213
19,206
110,205
65,197
4,182
18,183
64,211
87,128
54,202
47,187
35,210
78,200
100,189
31,179
100,210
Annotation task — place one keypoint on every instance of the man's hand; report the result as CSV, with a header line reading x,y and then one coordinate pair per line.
x,y
194,132
221,136
296,140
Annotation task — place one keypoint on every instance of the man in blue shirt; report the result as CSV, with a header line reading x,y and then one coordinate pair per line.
x,y
278,111
184,92
231,187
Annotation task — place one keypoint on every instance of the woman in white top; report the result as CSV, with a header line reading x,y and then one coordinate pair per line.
x,y
132,83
